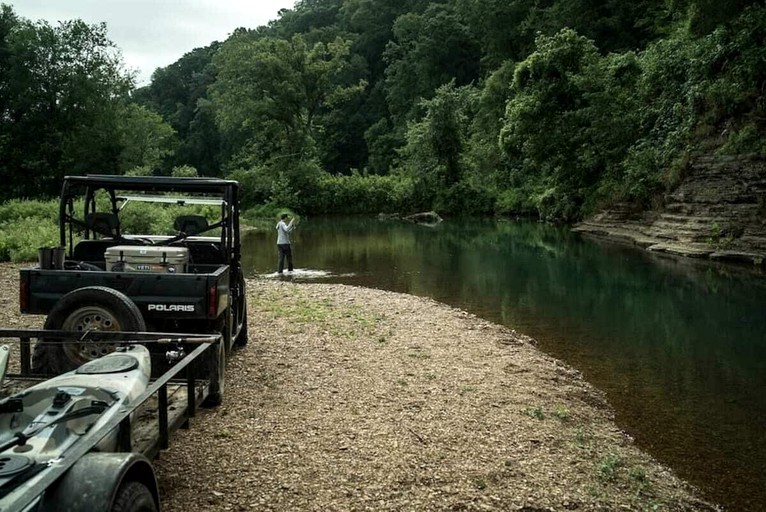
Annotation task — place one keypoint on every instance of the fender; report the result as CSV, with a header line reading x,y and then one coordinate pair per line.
x,y
92,483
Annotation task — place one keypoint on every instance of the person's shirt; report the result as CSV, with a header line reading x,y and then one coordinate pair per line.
x,y
283,232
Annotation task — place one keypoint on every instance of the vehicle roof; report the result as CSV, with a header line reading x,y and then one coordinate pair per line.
x,y
152,183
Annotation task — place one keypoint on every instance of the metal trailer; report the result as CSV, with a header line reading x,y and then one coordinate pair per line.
x,y
84,480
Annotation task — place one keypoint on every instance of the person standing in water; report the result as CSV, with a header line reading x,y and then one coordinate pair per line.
x,y
283,242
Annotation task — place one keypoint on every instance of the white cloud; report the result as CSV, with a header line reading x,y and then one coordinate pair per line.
x,y
156,33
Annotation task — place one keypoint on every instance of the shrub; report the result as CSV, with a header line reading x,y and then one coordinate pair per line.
x,y
184,171
557,204
20,238
465,199
158,219
255,185
747,139
25,226
515,201
18,209
360,194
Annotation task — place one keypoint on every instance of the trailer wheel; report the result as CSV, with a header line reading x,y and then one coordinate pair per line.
x,y
133,496
104,482
93,308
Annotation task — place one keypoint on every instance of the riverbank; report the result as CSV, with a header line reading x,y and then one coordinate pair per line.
x,y
349,398
717,212
356,399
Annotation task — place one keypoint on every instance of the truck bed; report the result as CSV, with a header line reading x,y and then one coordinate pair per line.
x,y
44,288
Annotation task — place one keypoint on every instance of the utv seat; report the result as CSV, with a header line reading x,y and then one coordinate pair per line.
x,y
190,224
104,224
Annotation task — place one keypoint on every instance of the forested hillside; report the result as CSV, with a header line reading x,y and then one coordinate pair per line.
x,y
549,108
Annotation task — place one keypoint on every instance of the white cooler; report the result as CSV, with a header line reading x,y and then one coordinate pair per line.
x,y
146,258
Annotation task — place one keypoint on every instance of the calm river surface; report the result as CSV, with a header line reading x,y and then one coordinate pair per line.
x,y
679,347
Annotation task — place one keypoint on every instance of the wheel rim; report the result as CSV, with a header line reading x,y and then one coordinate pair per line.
x,y
89,318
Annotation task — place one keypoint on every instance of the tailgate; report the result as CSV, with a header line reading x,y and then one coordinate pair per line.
x,y
157,295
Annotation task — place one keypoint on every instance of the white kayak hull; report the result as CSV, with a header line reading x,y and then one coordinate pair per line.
x,y
47,413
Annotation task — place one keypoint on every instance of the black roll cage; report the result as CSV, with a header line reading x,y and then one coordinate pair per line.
x,y
86,186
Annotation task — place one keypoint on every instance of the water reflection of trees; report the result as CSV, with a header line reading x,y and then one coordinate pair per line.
x,y
624,299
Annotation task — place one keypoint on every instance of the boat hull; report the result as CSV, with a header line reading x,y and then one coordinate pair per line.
x,y
50,417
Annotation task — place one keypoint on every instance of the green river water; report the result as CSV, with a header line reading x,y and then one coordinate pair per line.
x,y
678,346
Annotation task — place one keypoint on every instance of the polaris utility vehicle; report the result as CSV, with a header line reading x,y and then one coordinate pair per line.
x,y
185,277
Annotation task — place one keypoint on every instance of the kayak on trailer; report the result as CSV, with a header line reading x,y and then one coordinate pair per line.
x,y
39,424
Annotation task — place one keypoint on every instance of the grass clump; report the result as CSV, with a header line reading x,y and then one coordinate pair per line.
x,y
303,310
561,412
222,434
638,475
582,437
608,467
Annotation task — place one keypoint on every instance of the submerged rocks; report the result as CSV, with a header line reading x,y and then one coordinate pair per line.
x,y
426,218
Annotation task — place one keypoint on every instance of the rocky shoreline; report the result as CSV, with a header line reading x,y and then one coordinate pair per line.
x,y
718,212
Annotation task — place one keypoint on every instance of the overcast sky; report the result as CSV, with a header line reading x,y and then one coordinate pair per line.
x,y
156,33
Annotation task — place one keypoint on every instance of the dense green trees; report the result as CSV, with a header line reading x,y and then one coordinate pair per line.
x,y
65,108
569,122
427,51
179,94
466,106
59,101
433,157
146,140
269,97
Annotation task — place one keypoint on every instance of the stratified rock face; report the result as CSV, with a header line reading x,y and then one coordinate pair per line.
x,y
717,212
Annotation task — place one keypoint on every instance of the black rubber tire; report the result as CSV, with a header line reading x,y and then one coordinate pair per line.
x,y
133,496
242,337
94,307
216,367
